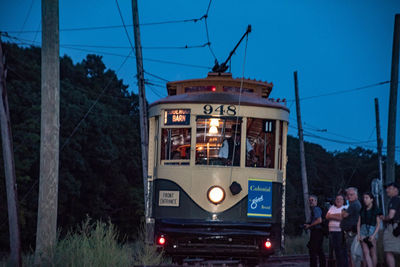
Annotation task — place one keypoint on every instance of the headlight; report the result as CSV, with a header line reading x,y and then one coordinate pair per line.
x,y
216,194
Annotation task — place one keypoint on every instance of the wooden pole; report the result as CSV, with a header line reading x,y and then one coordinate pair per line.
x,y
143,121
9,167
302,154
379,149
49,134
394,79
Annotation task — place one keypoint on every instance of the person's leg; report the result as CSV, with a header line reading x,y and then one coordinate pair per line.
x,y
312,245
372,252
390,259
367,256
340,249
320,249
345,250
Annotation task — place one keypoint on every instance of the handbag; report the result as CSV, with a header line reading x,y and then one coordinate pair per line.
x,y
356,250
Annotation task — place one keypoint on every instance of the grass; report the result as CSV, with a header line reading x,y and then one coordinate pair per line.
x,y
96,245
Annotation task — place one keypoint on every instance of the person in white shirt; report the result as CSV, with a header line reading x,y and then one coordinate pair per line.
x,y
334,215
230,150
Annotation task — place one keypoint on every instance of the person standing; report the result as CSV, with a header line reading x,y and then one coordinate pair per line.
x,y
316,235
350,219
334,215
391,242
367,229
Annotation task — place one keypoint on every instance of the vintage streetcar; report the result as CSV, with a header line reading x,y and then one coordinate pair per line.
x,y
217,166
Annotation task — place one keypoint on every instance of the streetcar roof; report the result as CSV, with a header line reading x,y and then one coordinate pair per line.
x,y
219,98
220,82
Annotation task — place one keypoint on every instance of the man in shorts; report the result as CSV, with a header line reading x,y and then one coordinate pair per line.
x,y
391,242
350,220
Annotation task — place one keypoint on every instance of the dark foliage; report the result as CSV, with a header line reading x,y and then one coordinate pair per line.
x,y
100,165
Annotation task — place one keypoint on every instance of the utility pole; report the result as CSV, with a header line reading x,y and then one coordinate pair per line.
x,y
143,123
49,133
302,156
379,147
394,79
9,167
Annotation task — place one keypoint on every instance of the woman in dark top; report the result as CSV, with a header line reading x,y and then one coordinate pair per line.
x,y
368,227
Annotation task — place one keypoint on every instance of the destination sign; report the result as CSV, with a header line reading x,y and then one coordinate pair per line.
x,y
177,117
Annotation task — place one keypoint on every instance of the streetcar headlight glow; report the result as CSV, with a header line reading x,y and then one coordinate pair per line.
x,y
216,194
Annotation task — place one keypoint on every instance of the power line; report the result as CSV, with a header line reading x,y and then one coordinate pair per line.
x,y
143,47
23,41
123,23
155,76
106,27
38,27
309,134
206,27
26,18
92,106
344,91
336,141
150,85
88,92
154,83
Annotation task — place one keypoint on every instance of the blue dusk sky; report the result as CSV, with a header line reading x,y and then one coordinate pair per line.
x,y
341,49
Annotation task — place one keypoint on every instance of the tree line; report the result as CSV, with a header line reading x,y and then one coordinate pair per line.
x,y
100,161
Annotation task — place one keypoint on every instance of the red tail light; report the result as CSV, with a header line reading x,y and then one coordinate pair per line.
x,y
161,240
213,88
267,244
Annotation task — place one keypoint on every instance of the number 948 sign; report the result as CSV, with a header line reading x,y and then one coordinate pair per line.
x,y
219,110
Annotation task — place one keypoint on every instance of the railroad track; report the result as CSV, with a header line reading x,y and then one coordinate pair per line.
x,y
275,261
292,260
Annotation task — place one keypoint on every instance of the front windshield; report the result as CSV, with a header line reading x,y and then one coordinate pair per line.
x,y
218,141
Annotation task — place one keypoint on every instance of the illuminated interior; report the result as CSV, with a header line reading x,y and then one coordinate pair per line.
x,y
218,142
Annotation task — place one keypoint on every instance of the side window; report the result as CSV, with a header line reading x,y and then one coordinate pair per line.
x,y
175,145
218,141
261,136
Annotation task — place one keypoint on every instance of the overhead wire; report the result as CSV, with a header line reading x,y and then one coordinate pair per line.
x,y
150,85
207,34
237,117
28,42
343,91
36,34
26,18
123,23
156,76
309,134
94,104
116,26
143,47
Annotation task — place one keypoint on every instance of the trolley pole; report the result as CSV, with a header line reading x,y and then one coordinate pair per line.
x,y
9,168
143,123
394,79
379,148
302,156
49,134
